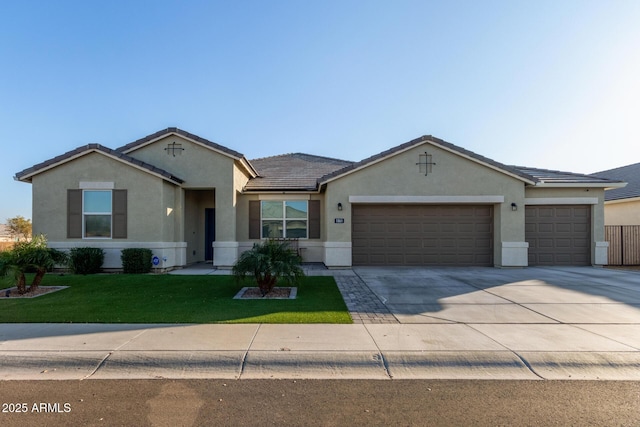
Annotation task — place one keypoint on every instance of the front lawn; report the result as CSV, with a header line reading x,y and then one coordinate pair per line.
x,y
121,298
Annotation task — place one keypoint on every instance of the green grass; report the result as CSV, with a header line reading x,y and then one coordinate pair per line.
x,y
122,298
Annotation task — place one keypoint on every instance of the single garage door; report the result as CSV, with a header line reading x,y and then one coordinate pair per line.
x,y
558,235
422,235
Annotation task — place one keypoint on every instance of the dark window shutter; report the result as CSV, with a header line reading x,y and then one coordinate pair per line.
x,y
314,219
254,219
74,214
119,213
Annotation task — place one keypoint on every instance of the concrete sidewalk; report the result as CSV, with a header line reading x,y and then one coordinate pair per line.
x,y
436,323
358,351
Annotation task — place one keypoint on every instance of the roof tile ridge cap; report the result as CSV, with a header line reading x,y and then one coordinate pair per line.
x,y
323,157
380,155
145,139
271,157
207,141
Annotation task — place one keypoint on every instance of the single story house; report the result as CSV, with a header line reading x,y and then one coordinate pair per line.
x,y
622,205
424,202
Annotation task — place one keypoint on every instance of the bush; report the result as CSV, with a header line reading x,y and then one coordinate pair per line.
x,y
28,256
269,262
136,260
86,260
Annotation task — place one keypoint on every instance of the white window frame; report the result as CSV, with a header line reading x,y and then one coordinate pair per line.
x,y
85,214
284,218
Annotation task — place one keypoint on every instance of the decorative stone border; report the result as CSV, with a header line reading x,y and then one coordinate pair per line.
x,y
293,293
42,290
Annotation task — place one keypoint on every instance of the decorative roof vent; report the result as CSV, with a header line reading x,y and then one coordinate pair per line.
x,y
174,148
425,163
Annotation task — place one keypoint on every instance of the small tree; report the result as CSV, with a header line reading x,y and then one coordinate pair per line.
x,y
19,227
27,255
269,262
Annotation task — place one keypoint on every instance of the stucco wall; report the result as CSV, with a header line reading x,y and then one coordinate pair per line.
x,y
452,175
312,250
148,197
622,213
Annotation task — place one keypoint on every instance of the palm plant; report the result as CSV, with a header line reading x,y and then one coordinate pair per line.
x,y
29,255
269,262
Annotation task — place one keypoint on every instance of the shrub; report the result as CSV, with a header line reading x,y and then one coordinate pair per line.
x,y
86,260
28,256
136,260
269,262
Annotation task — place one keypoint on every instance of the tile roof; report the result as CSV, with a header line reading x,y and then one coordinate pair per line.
x,y
295,171
629,174
305,172
161,133
547,176
436,141
26,174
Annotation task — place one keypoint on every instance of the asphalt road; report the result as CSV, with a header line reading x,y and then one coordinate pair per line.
x,y
319,403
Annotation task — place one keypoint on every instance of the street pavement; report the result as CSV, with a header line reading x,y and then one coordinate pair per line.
x,y
409,323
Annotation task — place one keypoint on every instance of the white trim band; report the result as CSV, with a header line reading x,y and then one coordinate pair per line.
x,y
428,199
561,201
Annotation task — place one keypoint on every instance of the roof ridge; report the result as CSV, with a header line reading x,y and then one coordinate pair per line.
x,y
99,147
182,133
302,154
434,140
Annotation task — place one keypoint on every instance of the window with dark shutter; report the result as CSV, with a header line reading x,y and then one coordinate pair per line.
x,y
119,214
254,219
314,219
74,214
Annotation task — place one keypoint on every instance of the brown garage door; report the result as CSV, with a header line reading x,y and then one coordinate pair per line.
x,y
422,235
558,235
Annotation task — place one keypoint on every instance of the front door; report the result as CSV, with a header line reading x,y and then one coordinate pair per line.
x,y
209,232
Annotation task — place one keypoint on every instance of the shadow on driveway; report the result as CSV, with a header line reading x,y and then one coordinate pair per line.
x,y
572,295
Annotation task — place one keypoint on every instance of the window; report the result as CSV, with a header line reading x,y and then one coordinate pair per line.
x,y
288,219
96,213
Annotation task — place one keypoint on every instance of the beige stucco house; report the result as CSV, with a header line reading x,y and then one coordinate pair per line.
x,y
622,205
425,202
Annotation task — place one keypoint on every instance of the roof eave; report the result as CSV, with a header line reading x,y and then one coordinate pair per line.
x,y
184,135
604,185
426,139
253,173
28,177
512,174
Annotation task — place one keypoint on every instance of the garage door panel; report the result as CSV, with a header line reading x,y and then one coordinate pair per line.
x,y
430,235
558,235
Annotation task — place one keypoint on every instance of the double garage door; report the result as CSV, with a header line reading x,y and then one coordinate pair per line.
x,y
462,235
422,235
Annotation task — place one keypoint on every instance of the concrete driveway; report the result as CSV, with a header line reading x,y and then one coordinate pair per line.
x,y
571,295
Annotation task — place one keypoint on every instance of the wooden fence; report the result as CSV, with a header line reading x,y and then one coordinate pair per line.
x,y
624,244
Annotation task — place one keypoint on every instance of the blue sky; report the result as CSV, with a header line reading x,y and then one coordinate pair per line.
x,y
550,84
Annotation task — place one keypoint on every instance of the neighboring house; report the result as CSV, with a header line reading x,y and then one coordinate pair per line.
x,y
622,215
622,205
425,202
5,234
